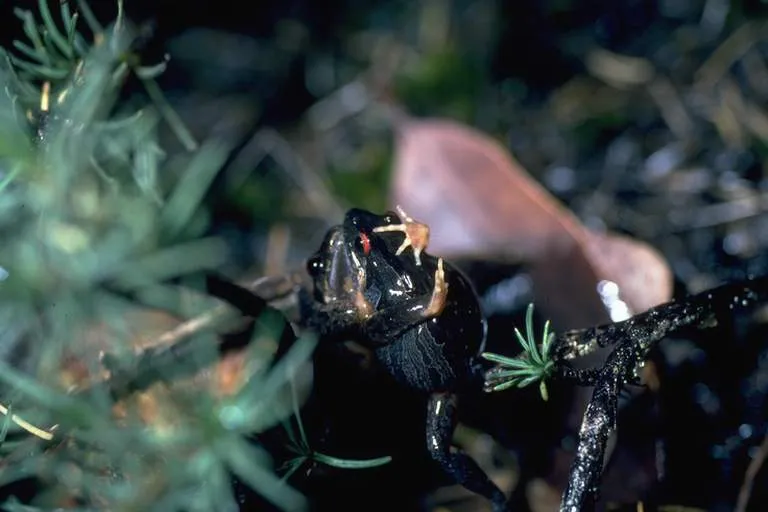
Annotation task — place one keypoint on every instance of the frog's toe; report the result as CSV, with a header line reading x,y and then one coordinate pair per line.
x,y
439,292
416,235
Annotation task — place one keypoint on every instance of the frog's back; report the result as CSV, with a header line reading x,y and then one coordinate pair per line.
x,y
439,353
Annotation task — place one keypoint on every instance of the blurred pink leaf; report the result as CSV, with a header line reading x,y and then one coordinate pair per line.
x,y
480,203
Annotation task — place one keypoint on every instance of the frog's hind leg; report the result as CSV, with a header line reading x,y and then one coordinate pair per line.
x,y
441,422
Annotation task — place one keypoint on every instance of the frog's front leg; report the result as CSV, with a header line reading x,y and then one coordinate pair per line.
x,y
441,422
334,320
386,325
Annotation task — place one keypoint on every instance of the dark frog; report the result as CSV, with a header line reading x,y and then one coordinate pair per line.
x,y
420,317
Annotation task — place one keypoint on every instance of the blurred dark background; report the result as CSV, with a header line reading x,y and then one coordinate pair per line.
x,y
646,117
606,138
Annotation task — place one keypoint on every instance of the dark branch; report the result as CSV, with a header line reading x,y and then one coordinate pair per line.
x,y
632,339
181,351
646,329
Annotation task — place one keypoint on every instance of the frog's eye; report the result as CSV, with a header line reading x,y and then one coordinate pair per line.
x,y
390,218
315,266
365,243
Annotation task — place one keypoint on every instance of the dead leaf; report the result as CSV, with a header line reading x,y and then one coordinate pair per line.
x,y
480,203
644,278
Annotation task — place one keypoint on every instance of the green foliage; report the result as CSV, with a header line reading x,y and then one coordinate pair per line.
x,y
90,237
447,83
260,197
363,187
533,365
51,53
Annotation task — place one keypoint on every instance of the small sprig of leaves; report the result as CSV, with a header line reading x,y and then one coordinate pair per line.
x,y
299,446
532,365
51,53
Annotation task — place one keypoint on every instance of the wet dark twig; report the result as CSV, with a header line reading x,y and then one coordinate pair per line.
x,y
632,339
180,352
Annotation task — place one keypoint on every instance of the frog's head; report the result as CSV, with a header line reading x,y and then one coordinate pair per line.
x,y
337,266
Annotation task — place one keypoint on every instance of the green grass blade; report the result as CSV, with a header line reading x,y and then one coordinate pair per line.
x,y
28,51
90,19
6,424
547,338
503,386
171,262
19,86
261,389
503,360
42,71
529,380
8,178
191,188
351,463
243,459
523,342
59,40
150,72
32,32
293,465
72,33
169,114
543,391
297,414
534,351
513,374
68,409
146,168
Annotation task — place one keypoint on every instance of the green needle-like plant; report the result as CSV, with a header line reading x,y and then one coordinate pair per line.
x,y
304,453
93,244
533,365
55,54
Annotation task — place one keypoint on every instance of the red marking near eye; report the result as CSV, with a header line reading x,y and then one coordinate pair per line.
x,y
366,243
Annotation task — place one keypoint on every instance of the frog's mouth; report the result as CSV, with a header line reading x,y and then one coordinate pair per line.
x,y
341,265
